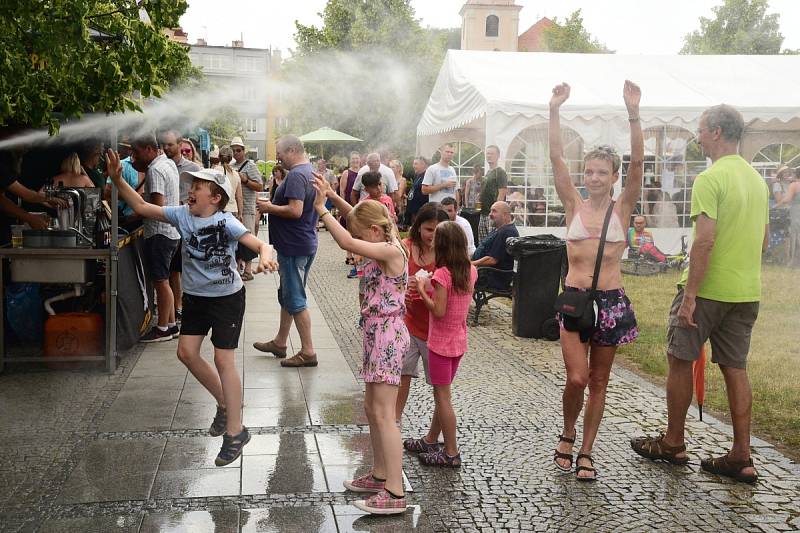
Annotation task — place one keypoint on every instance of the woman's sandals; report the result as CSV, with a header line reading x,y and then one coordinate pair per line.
x,y
581,468
560,455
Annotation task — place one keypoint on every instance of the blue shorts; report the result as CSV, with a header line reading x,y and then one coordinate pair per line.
x,y
159,251
293,270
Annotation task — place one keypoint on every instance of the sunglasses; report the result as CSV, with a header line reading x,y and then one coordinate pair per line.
x,y
186,150
238,149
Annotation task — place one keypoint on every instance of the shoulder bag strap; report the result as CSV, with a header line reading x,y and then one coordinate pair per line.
x,y
244,165
601,246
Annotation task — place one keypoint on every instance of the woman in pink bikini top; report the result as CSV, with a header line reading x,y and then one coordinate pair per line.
x,y
590,362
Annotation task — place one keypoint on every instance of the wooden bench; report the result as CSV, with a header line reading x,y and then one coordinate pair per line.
x,y
483,292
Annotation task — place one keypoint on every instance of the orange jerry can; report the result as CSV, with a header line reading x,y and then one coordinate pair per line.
x,y
73,334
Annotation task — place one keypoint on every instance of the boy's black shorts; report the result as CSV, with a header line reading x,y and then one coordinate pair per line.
x,y
222,314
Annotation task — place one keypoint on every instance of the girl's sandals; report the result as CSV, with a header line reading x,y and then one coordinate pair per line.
x,y
656,449
561,455
581,468
725,466
440,458
420,445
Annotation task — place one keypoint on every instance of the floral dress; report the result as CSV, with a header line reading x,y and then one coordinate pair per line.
x,y
386,338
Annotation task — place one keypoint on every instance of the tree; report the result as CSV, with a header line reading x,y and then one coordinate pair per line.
x,y
64,58
223,125
368,71
738,27
571,36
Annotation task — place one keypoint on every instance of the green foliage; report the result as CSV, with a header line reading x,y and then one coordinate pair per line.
x,y
368,71
739,27
571,36
53,70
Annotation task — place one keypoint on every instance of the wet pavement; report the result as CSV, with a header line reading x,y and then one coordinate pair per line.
x,y
87,452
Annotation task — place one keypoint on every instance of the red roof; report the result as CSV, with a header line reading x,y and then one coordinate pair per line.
x,y
531,40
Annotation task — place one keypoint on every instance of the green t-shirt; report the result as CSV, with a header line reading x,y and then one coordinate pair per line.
x,y
494,180
733,194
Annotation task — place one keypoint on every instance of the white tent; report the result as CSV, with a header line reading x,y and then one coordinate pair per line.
x,y
487,98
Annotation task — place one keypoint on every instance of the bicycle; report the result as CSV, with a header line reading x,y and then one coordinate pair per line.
x,y
638,264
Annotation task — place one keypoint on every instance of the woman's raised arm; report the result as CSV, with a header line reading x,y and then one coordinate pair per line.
x,y
565,189
633,183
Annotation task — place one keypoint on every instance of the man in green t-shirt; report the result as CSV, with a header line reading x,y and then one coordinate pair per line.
x,y
718,294
493,189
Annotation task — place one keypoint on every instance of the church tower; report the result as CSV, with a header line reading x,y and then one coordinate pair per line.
x,y
490,25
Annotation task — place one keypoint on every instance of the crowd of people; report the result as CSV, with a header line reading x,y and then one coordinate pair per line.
x,y
201,230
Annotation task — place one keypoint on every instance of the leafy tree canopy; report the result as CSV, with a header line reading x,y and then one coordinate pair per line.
x,y
62,58
368,71
738,27
571,36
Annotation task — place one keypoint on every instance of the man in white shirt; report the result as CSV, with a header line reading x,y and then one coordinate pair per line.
x,y
387,178
441,179
449,206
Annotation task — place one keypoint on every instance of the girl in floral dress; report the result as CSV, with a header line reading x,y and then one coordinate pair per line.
x,y
371,233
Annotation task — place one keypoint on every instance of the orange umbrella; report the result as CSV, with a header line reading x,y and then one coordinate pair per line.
x,y
699,371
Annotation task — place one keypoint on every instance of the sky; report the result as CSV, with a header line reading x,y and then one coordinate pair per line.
x,y
626,26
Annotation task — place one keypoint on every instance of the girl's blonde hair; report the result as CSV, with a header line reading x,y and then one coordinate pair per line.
x,y
373,213
71,164
398,164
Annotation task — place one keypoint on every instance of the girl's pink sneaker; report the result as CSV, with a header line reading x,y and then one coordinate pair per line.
x,y
382,503
365,483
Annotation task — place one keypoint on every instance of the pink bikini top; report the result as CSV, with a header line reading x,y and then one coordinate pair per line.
x,y
578,232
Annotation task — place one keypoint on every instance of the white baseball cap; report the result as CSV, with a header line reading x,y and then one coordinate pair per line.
x,y
213,176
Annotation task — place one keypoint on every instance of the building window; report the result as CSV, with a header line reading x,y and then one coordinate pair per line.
x,y
251,64
251,125
211,62
492,26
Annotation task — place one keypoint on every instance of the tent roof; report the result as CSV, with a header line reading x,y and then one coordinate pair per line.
x,y
474,84
327,135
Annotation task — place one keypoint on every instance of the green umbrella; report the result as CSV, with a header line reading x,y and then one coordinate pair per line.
x,y
329,136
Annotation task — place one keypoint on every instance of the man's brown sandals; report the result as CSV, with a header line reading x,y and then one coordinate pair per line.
x,y
725,466
656,449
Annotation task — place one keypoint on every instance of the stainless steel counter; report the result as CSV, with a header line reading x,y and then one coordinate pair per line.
x,y
62,265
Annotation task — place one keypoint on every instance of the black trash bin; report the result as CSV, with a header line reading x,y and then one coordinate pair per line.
x,y
473,216
540,261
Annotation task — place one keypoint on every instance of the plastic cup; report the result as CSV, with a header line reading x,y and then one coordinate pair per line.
x,y
16,235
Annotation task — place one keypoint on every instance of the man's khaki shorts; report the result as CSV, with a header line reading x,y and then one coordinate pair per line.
x,y
728,325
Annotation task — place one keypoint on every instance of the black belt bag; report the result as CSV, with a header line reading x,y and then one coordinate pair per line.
x,y
578,309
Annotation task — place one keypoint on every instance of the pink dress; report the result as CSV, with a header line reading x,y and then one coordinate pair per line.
x,y
386,338
447,336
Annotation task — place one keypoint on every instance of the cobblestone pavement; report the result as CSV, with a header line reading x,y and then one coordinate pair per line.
x,y
85,452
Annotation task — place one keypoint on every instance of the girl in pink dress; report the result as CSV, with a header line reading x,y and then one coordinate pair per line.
x,y
371,233
451,286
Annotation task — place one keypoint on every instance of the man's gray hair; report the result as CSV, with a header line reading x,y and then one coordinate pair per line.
x,y
422,158
727,118
290,142
373,156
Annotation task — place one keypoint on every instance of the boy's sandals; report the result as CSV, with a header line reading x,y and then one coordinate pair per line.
x,y
656,449
561,455
725,466
581,468
232,447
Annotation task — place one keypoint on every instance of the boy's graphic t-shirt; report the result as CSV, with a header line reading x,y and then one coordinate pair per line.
x,y
208,251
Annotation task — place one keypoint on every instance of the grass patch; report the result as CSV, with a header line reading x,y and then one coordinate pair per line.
x,y
773,363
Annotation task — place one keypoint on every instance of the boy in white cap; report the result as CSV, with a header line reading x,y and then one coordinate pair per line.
x,y
214,295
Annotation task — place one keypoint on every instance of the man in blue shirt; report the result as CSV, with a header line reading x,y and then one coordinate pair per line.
x,y
492,250
293,233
